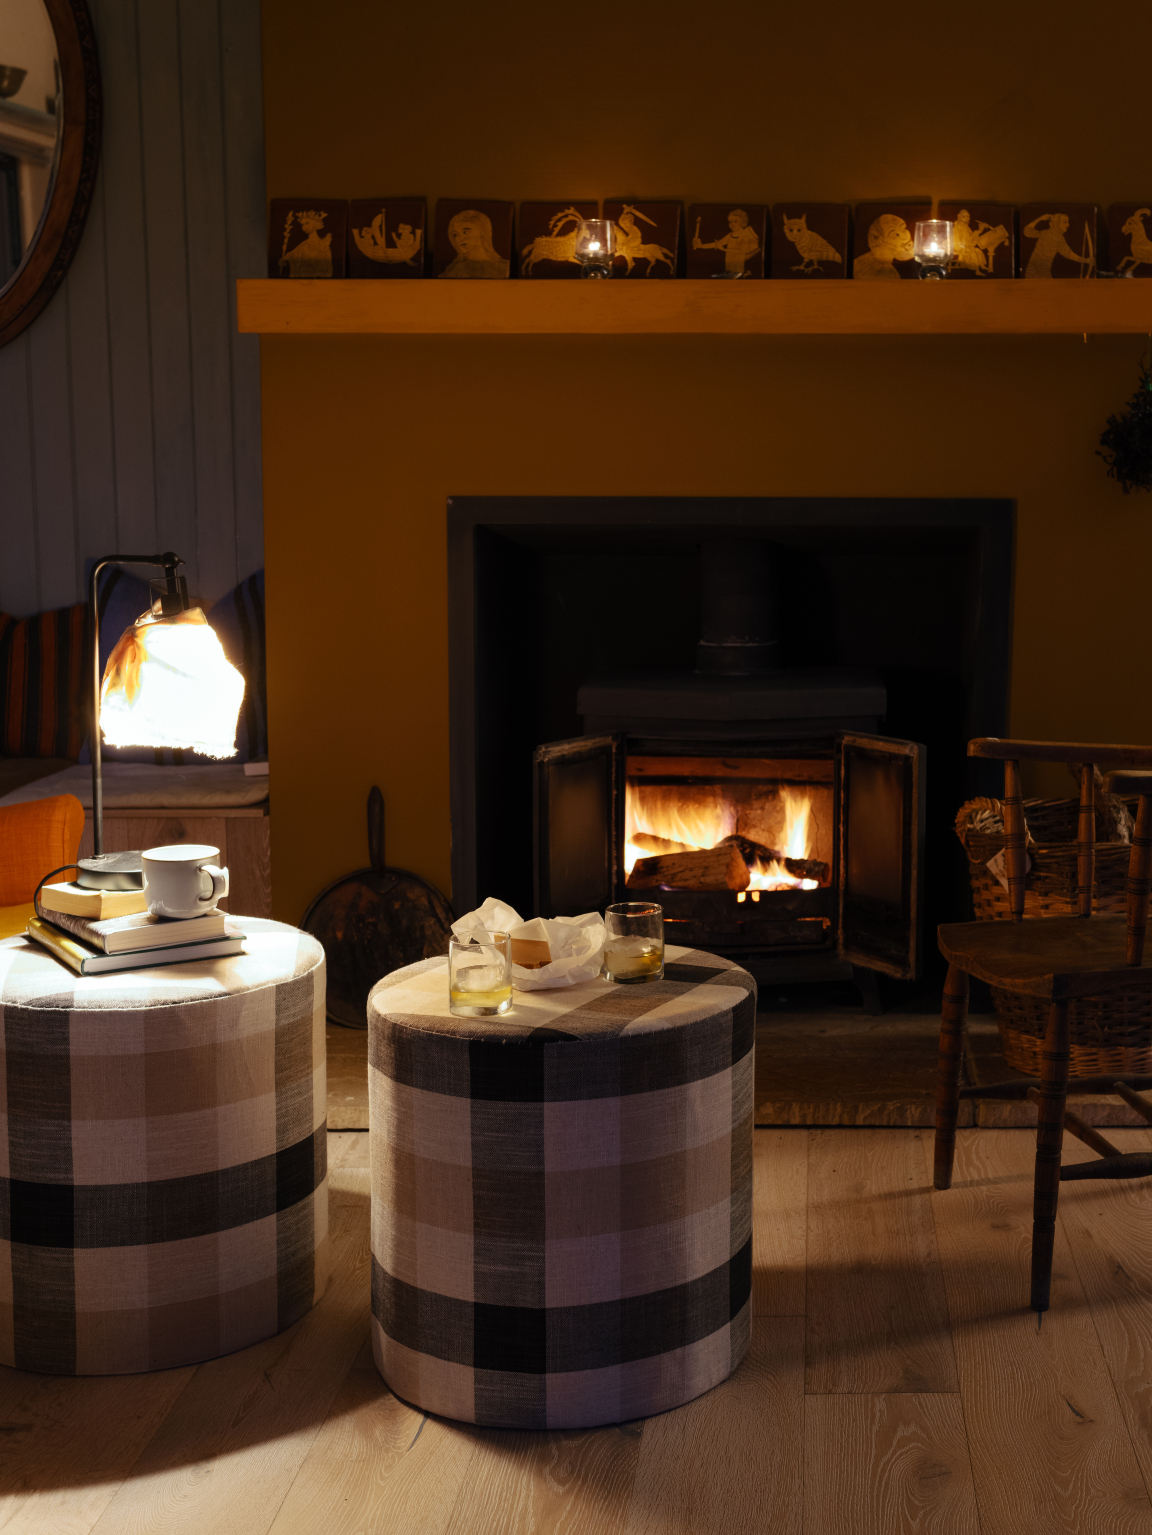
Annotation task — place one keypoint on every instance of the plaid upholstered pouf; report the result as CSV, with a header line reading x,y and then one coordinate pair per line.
x,y
163,1193
562,1197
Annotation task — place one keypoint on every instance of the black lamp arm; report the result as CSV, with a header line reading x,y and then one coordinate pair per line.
x,y
173,600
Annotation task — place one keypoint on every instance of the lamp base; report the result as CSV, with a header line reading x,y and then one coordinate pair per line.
x,y
111,871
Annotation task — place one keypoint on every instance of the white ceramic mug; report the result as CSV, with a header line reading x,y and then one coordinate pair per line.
x,y
183,880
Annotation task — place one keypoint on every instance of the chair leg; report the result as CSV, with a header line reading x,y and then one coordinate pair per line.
x,y
1049,1138
953,1017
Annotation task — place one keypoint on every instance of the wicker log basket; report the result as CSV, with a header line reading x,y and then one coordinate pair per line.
x,y
1109,1033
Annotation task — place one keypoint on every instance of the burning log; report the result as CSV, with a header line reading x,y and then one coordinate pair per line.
x,y
714,868
648,843
808,868
751,852
799,868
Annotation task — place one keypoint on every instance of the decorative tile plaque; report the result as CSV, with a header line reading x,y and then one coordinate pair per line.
x,y
983,238
386,237
810,240
306,237
473,239
1130,238
727,239
1059,239
647,238
882,244
547,235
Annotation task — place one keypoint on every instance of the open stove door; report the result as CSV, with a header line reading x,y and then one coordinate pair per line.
x,y
578,795
880,827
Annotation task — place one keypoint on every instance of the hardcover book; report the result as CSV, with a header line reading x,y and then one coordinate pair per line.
x,y
94,904
85,961
140,930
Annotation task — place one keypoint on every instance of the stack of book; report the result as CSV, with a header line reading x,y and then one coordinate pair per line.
x,y
94,931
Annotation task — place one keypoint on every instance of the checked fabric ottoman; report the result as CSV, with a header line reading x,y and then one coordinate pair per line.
x,y
562,1197
163,1174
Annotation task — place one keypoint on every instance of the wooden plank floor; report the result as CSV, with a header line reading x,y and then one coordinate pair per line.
x,y
897,1382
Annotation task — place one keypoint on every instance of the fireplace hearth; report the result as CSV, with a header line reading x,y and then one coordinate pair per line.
x,y
746,694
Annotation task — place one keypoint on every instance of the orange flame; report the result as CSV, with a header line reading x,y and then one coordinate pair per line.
x,y
703,818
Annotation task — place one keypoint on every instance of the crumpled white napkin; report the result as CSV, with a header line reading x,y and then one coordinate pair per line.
x,y
576,944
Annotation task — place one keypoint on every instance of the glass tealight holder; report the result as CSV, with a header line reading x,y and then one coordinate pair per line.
x,y
595,246
480,975
634,942
932,248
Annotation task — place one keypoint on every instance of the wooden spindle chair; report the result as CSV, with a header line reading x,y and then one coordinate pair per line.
x,y
1059,959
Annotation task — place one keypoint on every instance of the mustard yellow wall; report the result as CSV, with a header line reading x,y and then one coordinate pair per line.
x,y
366,438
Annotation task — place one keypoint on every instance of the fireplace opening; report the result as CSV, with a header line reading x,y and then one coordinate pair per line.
x,y
594,635
740,848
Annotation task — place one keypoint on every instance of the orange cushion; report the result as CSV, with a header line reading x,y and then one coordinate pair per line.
x,y
36,837
14,919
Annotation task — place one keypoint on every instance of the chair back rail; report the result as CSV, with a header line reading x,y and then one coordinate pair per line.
x,y
1015,837
1086,840
1134,781
1061,751
1139,881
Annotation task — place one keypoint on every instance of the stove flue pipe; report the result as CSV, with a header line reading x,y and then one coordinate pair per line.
x,y
738,619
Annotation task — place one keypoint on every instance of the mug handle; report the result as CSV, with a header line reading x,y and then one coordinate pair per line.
x,y
219,878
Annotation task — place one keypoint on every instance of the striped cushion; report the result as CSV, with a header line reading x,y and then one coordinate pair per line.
x,y
42,677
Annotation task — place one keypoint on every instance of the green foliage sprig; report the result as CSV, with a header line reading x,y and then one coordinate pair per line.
x,y
1126,442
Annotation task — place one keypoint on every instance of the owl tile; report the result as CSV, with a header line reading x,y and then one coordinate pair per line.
x,y
306,237
473,239
647,238
882,242
1130,238
1059,239
983,239
386,237
810,240
547,237
727,239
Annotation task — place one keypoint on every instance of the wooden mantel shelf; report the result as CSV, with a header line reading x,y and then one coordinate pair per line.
x,y
1024,307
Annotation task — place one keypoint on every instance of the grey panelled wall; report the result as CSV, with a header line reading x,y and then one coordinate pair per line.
x,y
130,409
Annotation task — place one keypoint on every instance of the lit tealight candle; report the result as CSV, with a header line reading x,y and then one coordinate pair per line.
x,y
594,246
933,247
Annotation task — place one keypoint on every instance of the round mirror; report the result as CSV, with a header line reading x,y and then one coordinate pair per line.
x,y
49,147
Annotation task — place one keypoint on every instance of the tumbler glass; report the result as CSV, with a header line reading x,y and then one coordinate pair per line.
x,y
480,975
634,946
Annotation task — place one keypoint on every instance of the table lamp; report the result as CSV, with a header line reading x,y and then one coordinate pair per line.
x,y
168,683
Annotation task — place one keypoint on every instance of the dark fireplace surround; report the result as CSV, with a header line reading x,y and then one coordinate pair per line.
x,y
608,625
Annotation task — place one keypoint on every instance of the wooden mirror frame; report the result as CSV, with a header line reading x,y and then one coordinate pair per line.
x,y
62,222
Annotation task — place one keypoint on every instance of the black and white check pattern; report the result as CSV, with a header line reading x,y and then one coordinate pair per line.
x,y
562,1197
163,1191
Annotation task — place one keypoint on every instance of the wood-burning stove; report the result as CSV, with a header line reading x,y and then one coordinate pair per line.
x,y
817,821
